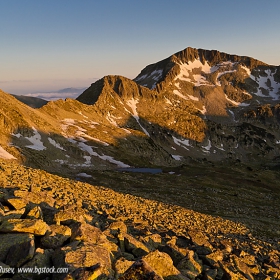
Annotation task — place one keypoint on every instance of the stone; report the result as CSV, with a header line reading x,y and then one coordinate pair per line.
x,y
214,257
242,267
117,227
162,264
140,270
130,244
229,274
11,239
152,241
16,203
81,255
121,266
210,274
199,239
18,254
191,265
35,197
174,253
87,233
13,214
55,236
71,214
37,227
35,213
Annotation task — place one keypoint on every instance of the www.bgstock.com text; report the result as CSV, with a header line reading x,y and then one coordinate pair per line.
x,y
33,270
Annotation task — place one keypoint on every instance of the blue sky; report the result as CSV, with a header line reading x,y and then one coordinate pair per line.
x,y
47,45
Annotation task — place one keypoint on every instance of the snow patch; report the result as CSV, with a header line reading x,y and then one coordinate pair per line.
x,y
208,147
273,89
57,145
198,79
18,135
36,141
85,175
178,93
5,155
90,151
176,157
111,120
183,143
132,103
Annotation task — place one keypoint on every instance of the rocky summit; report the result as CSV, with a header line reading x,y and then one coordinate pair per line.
x,y
171,175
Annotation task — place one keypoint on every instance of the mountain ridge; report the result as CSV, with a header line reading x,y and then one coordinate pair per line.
x,y
194,104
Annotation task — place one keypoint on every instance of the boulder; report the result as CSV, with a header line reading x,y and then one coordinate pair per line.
x,y
13,214
16,203
55,236
35,197
152,241
83,255
35,213
87,233
199,239
174,253
71,214
140,270
191,265
37,227
214,257
162,264
18,254
132,245
121,266
11,239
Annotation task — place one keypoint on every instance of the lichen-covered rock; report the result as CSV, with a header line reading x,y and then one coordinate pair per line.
x,y
18,254
121,266
214,257
191,265
35,197
132,245
152,241
140,270
55,236
37,227
71,214
11,239
162,264
87,233
83,255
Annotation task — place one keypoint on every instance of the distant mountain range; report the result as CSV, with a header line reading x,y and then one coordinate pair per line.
x,y
196,105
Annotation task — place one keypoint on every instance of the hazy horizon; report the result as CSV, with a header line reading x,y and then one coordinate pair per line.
x,y
49,45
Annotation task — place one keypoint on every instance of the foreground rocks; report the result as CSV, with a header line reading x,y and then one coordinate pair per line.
x,y
95,233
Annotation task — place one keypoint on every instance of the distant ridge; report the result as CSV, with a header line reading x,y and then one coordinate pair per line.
x,y
33,102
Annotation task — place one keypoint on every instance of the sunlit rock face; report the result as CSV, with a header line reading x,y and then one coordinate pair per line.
x,y
194,105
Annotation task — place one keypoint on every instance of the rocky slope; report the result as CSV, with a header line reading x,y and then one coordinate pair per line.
x,y
95,233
